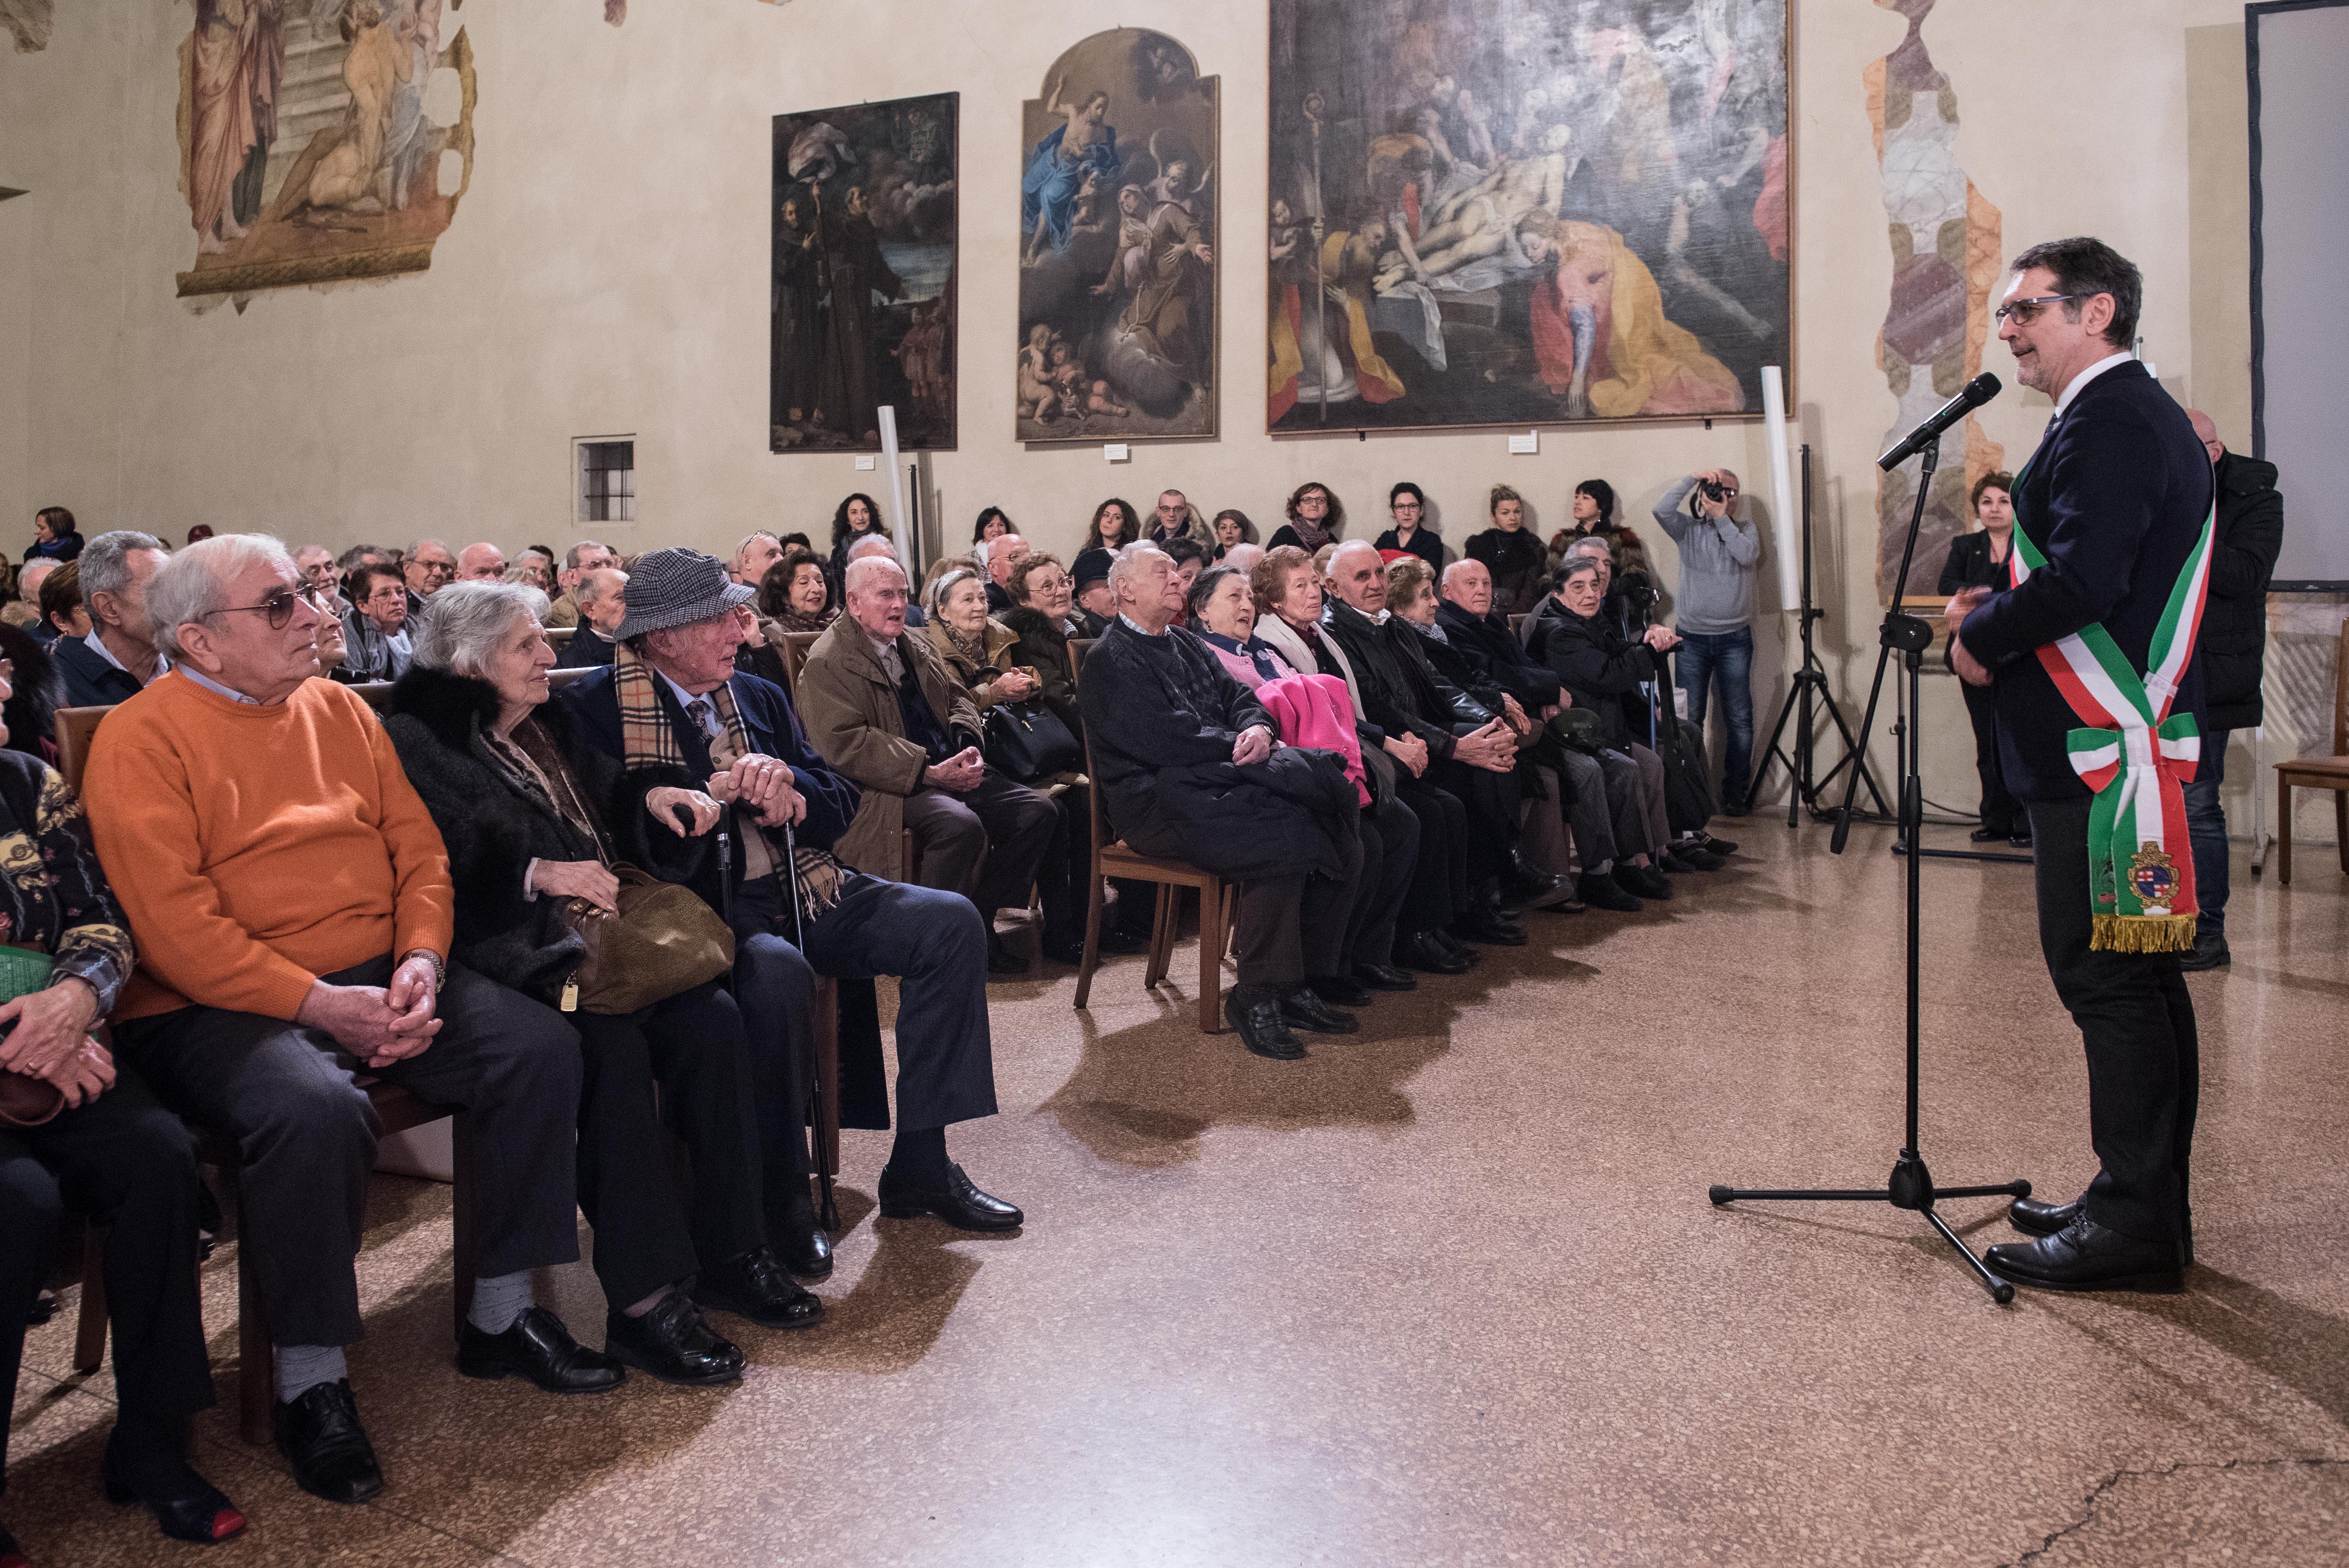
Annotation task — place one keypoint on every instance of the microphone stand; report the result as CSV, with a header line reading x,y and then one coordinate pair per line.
x,y
1811,686
1910,1185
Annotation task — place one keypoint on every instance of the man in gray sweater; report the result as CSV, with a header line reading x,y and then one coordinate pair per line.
x,y
1718,554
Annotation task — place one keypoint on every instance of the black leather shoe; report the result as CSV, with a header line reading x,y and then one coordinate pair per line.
x,y
1486,926
801,1245
1342,991
1261,1029
756,1285
1717,846
537,1346
1302,1009
1383,977
1472,956
2085,1255
2209,952
673,1343
959,1204
1986,835
186,1506
1419,950
321,1438
2021,839
1671,863
1527,883
1001,962
1601,890
2036,1219
1641,881
1701,858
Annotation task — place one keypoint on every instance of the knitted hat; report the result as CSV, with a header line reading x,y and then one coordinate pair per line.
x,y
1093,566
678,588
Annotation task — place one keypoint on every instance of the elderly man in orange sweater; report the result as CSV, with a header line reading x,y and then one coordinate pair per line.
x,y
293,912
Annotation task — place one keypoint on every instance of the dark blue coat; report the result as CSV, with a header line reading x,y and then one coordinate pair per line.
x,y
2115,498
91,679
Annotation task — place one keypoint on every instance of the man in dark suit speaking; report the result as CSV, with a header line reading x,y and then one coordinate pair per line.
x,y
2091,652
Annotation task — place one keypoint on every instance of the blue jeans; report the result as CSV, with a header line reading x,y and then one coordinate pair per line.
x,y
1725,659
2206,828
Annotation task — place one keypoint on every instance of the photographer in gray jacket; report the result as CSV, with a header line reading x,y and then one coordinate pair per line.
x,y
1714,615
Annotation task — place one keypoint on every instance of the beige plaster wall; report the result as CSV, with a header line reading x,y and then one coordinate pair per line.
x,y
608,275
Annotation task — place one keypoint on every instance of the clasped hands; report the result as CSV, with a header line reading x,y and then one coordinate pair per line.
x,y
51,1040
1962,603
959,774
379,1024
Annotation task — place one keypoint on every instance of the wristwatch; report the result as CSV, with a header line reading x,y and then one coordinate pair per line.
x,y
439,970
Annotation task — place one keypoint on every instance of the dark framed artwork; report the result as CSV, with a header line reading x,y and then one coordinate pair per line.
x,y
1525,212
1117,245
863,299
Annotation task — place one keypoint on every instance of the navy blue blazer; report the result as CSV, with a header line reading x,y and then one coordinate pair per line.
x,y
593,701
92,680
2115,498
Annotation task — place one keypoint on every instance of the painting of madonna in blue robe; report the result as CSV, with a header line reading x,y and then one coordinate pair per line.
x,y
1117,245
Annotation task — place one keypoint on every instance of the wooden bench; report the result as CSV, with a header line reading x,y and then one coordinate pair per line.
x,y
398,1111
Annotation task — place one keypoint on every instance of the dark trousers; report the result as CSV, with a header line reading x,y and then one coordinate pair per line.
x,y
2000,811
691,1050
1062,884
308,1135
1722,660
1491,802
1439,878
2143,1063
1604,807
985,845
2206,828
933,942
1289,928
1390,858
123,1160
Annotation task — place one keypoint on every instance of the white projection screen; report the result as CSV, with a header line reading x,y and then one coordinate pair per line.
x,y
2297,53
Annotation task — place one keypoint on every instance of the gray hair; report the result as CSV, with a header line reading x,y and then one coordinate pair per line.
x,y
945,586
194,583
106,562
464,622
354,558
1577,564
1593,546
861,570
1462,565
1129,561
873,544
571,557
1348,546
415,545
1204,589
587,593
755,534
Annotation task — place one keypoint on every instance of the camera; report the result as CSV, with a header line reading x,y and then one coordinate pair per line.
x,y
1713,492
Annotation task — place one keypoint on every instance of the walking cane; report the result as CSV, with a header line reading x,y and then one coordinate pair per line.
x,y
828,1214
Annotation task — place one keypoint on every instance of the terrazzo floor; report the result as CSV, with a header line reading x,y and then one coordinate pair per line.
x,y
1448,1292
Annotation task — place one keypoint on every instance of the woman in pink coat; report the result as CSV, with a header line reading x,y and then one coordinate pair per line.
x,y
1221,602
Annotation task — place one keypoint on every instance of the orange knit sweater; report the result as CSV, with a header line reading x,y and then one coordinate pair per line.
x,y
256,848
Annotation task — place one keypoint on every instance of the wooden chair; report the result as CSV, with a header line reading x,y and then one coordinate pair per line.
x,y
558,636
2313,773
395,1108
796,652
1112,857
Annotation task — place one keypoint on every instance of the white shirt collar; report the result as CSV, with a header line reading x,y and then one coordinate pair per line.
x,y
210,684
2090,374
1139,627
98,646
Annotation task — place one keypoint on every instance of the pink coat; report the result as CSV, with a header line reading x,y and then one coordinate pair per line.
x,y
1315,711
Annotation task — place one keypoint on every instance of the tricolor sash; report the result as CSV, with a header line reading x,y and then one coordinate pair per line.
x,y
2136,757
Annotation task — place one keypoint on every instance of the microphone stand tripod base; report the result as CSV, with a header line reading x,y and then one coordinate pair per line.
x,y
1910,1186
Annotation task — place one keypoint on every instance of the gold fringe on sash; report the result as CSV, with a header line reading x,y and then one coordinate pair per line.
x,y
2143,934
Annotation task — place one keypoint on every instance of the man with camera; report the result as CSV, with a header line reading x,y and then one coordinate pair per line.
x,y
1719,555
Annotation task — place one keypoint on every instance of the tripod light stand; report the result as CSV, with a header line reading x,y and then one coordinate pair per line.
x,y
1910,1185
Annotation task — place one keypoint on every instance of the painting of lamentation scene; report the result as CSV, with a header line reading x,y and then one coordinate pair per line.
x,y
320,139
863,287
1516,211
1117,245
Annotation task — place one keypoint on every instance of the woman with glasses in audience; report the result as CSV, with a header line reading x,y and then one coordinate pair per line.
x,y
1043,619
82,1136
1114,526
975,647
534,818
1407,504
1316,519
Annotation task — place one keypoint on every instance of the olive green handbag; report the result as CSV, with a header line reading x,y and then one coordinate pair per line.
x,y
25,1101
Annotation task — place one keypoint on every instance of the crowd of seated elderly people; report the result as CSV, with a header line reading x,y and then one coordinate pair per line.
x,y
1387,769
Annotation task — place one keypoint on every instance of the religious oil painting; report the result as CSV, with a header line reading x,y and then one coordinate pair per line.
x,y
1525,212
863,288
321,139
1117,245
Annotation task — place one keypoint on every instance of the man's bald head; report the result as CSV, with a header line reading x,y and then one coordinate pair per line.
x,y
872,544
481,562
2206,431
1469,584
1358,576
875,596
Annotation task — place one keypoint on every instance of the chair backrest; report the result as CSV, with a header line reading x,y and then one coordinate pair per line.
x,y
1517,625
76,726
559,635
1096,813
377,694
558,679
1078,648
796,652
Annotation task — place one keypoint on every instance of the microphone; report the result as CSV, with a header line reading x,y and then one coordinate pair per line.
x,y
1972,395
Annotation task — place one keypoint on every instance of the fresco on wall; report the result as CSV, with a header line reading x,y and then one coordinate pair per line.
x,y
1117,245
1521,211
863,300
28,22
321,139
1946,260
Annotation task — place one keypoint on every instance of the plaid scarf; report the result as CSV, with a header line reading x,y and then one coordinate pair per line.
x,y
648,739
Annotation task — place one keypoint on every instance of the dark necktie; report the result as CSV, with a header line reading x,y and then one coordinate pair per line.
x,y
758,860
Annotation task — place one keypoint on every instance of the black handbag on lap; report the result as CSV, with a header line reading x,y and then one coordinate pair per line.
x,y
1026,741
